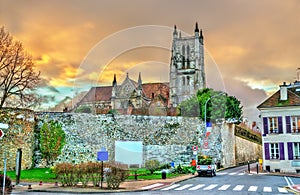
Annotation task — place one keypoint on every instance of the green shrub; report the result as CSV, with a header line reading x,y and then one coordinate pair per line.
x,y
152,165
66,174
116,175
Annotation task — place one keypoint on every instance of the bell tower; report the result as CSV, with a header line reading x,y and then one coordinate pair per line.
x,y
187,74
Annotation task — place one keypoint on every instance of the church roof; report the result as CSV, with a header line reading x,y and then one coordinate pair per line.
x,y
103,93
98,94
155,89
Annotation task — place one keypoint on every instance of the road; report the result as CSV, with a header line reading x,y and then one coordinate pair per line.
x,y
227,182
230,181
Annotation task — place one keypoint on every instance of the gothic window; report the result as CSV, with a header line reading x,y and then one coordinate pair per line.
x,y
183,81
188,80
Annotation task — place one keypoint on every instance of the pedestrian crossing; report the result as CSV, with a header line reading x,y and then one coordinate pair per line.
x,y
225,187
233,173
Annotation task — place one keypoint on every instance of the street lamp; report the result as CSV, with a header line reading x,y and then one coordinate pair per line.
x,y
205,106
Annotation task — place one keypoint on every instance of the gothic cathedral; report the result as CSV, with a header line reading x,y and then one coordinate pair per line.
x,y
187,73
187,76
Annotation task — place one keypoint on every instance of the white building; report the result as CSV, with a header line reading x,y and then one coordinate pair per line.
x,y
280,115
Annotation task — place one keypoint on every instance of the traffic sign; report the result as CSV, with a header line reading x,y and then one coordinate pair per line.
x,y
1,133
195,148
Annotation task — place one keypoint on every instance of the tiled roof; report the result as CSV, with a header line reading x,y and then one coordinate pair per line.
x,y
274,100
98,94
156,88
104,93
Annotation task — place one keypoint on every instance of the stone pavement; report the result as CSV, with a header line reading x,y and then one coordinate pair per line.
x,y
139,185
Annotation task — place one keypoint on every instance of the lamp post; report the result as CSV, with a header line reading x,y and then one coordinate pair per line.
x,y
205,107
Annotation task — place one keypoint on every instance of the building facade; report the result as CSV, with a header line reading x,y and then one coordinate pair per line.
x,y
187,76
280,116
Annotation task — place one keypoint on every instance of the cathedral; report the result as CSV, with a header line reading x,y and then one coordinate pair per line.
x,y
187,76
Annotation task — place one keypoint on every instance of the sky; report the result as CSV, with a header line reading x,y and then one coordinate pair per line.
x,y
251,47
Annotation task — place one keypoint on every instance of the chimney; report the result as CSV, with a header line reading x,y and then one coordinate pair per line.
x,y
283,92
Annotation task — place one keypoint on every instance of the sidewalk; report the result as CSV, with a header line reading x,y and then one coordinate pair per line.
x,y
139,185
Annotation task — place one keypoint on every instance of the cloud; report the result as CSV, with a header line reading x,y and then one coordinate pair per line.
x,y
255,44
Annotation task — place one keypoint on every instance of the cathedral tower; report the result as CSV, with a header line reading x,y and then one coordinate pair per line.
x,y
187,73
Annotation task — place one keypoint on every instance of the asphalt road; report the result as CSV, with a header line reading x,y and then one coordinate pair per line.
x,y
230,181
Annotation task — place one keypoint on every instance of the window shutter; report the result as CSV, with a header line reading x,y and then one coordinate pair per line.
x,y
281,151
280,125
288,124
267,151
265,124
290,150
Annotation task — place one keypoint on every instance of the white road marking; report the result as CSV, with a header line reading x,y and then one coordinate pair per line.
x,y
241,174
171,187
282,190
210,187
197,187
252,189
238,188
152,186
184,187
267,189
224,187
232,173
222,173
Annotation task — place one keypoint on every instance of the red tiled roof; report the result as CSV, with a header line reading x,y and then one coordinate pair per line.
x,y
156,88
98,94
274,100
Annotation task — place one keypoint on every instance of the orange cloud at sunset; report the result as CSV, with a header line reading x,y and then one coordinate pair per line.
x,y
252,45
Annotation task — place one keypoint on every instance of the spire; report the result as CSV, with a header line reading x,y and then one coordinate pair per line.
x,y
196,28
201,37
175,34
114,81
140,81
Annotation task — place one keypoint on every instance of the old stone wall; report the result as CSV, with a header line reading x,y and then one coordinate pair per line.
x,y
165,138
20,134
236,150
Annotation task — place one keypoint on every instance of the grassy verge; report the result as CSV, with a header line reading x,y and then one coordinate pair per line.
x,y
45,175
34,175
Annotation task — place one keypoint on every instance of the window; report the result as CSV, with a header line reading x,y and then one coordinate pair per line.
x,y
296,150
295,123
273,124
274,149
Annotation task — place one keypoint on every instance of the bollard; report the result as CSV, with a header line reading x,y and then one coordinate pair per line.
x,y
29,187
248,167
257,167
135,175
41,183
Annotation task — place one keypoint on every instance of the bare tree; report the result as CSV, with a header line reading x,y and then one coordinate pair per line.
x,y
17,76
